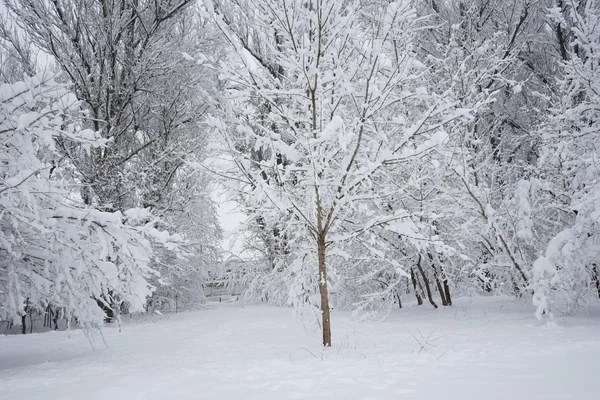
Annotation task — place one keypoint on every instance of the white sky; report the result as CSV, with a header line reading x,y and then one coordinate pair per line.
x,y
230,219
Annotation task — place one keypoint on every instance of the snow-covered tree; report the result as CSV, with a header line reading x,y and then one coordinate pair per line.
x,y
55,250
125,62
499,68
330,102
566,274
128,64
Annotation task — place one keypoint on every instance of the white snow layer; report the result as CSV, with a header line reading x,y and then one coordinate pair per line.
x,y
478,349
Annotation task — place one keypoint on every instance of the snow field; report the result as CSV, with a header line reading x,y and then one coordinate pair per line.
x,y
478,349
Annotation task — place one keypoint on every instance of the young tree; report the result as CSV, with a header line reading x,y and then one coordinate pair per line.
x,y
329,98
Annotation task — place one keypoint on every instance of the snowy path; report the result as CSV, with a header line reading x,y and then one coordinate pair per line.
x,y
495,351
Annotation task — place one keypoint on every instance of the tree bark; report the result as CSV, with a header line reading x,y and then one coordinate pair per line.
x,y
596,277
414,282
56,320
440,289
48,317
446,286
324,293
437,281
398,298
426,282
561,34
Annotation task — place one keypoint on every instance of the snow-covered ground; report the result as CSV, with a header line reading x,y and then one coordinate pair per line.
x,y
484,349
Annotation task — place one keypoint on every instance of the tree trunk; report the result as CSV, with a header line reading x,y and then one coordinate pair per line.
x,y
414,282
426,282
596,277
109,313
48,317
56,314
324,294
398,298
23,327
440,289
446,286
437,281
